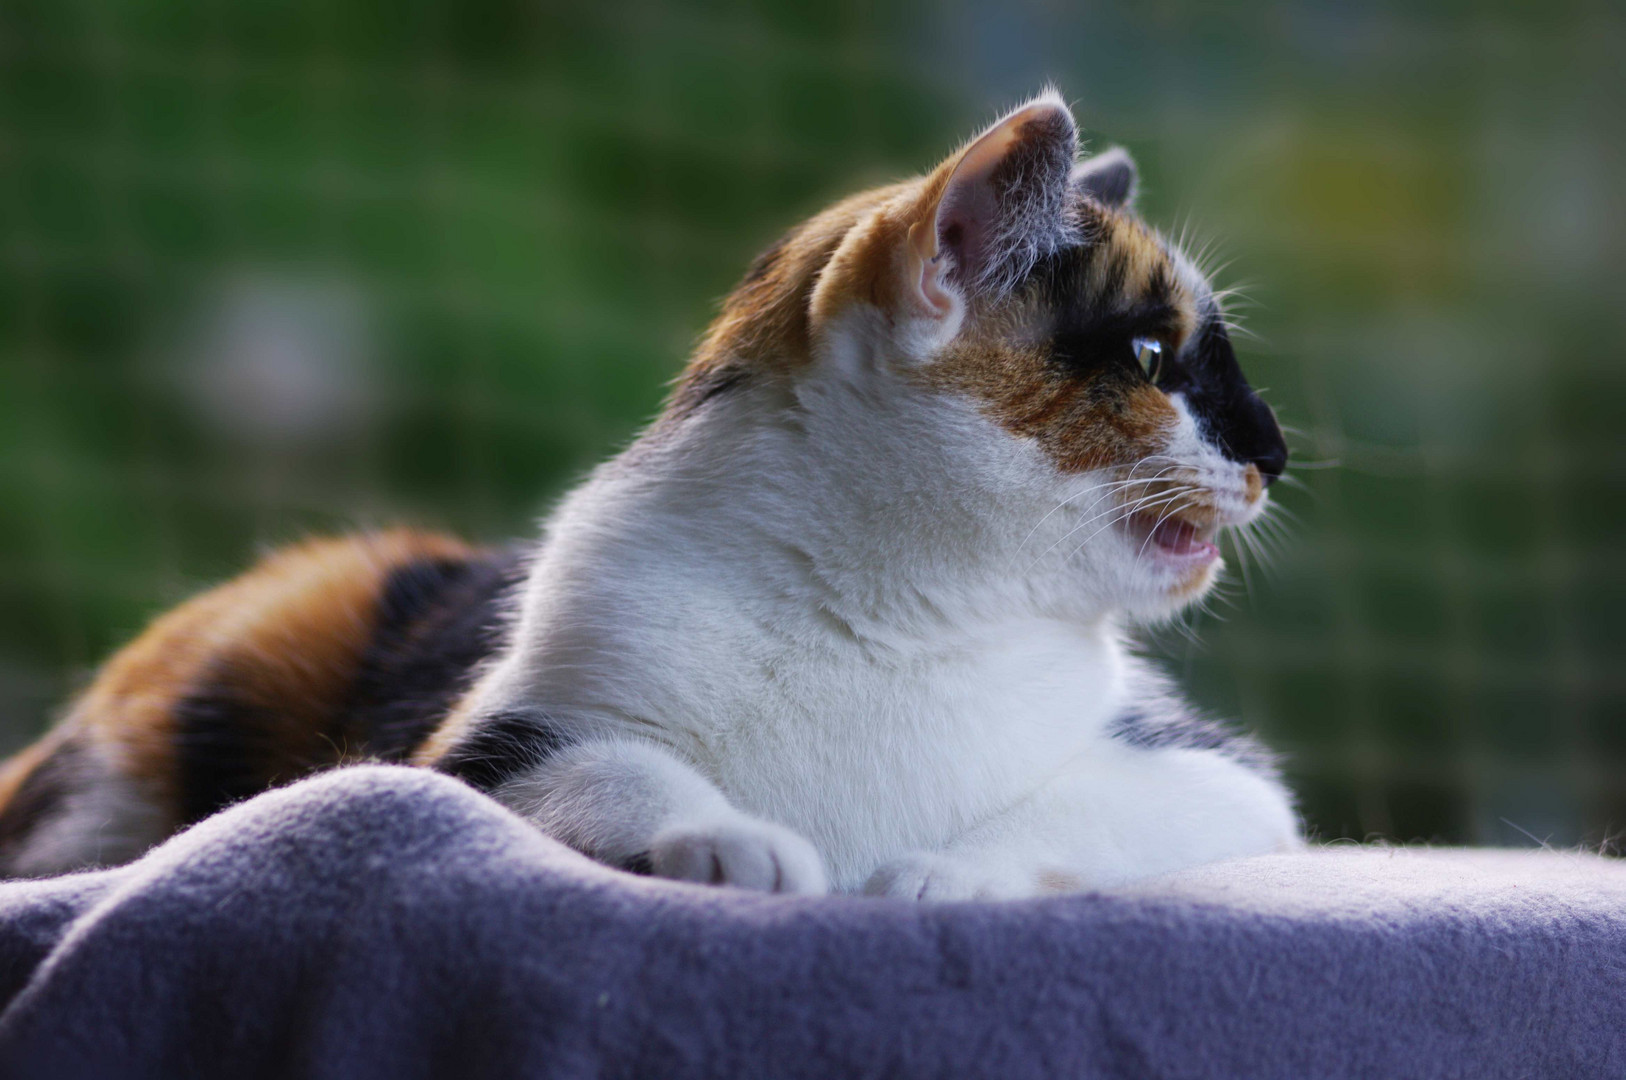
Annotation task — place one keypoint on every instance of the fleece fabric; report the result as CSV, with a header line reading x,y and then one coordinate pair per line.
x,y
382,922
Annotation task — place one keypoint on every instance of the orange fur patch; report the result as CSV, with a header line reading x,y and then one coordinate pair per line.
x,y
1255,483
1080,424
288,636
764,324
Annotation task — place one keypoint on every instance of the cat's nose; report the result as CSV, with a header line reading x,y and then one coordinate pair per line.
x,y
1267,449
1272,461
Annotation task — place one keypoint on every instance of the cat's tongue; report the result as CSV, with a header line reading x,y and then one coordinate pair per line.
x,y
1180,538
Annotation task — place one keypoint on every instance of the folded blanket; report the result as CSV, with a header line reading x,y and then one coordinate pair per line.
x,y
388,922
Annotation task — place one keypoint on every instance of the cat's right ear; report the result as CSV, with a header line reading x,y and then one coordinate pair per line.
x,y
1109,178
993,208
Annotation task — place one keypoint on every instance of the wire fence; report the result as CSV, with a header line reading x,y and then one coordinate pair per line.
x,y
271,269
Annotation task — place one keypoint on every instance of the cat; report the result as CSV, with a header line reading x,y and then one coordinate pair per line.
x,y
850,615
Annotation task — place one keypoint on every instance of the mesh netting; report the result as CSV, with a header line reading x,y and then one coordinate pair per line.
x,y
273,269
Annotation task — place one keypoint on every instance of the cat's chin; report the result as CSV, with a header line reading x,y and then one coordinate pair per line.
x,y
1172,563
1163,596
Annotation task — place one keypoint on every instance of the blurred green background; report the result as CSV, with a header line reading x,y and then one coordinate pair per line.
x,y
269,269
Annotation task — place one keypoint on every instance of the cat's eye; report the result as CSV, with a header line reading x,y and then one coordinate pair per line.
x,y
1149,354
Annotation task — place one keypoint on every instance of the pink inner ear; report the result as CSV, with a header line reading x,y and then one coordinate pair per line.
x,y
963,220
969,207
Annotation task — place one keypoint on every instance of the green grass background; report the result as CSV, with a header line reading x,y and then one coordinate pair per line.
x,y
476,238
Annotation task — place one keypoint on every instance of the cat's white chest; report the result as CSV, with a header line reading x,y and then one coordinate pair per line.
x,y
873,760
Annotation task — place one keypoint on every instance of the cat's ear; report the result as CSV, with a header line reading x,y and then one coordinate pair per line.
x,y
1109,177
995,206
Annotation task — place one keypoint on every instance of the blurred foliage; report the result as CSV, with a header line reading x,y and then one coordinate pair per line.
x,y
275,268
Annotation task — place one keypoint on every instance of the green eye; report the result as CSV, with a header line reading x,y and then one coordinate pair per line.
x,y
1149,354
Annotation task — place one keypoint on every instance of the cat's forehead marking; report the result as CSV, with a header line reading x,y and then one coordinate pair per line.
x,y
1125,263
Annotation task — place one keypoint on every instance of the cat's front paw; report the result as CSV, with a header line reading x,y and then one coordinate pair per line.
x,y
743,852
929,876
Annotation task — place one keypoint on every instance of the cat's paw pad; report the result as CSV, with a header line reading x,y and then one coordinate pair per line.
x,y
931,877
743,852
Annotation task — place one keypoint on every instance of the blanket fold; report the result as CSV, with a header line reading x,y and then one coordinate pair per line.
x,y
380,921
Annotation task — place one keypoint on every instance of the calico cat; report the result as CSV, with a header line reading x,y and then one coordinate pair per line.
x,y
850,615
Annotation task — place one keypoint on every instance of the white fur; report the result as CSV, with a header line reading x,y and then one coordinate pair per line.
x,y
842,608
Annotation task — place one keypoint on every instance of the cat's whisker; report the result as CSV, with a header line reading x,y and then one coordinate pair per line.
x,y
1276,512
1097,493
1239,545
1273,534
1114,488
1237,292
1128,512
1121,512
1262,552
1271,531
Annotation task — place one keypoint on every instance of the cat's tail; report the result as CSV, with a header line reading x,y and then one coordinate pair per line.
x,y
65,804
323,652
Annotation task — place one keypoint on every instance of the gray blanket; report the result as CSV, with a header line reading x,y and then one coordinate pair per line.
x,y
385,922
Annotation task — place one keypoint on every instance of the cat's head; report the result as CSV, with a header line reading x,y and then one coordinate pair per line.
x,y
1019,284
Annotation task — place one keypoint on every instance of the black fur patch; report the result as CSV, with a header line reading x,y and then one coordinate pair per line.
x,y
1094,328
1094,323
1138,726
501,747
763,264
436,621
1235,417
225,749
693,393
1159,718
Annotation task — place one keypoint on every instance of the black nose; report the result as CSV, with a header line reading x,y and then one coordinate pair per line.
x,y
1272,462
1231,414
1265,446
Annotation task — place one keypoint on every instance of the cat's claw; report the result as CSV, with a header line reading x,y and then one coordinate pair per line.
x,y
743,852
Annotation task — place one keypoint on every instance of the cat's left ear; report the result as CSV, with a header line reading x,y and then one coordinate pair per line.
x,y
989,211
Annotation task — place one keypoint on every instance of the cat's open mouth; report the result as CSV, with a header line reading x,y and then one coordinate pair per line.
x,y
1185,539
